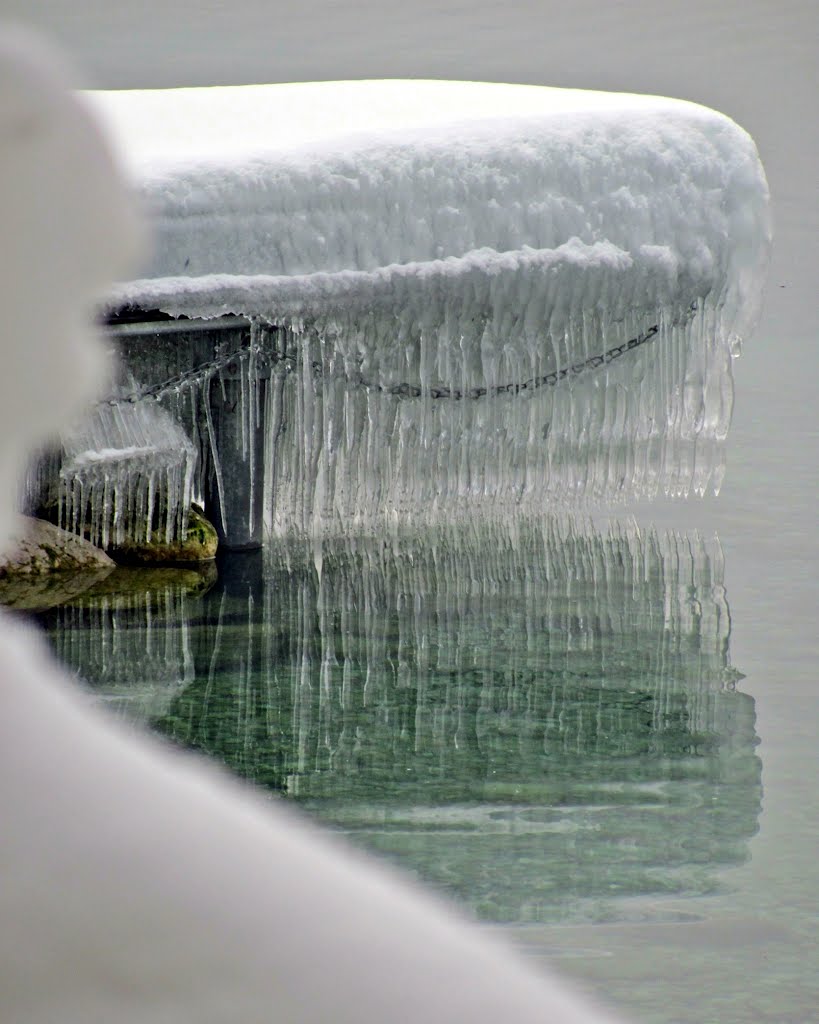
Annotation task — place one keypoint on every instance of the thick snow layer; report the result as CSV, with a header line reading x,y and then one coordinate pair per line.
x,y
400,181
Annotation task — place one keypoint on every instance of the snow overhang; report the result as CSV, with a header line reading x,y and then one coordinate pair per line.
x,y
501,212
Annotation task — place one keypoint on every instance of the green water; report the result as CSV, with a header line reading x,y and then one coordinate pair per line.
x,y
538,718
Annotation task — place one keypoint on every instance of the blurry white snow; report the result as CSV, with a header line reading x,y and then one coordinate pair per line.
x,y
235,122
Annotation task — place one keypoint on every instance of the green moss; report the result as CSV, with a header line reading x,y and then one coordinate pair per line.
x,y
199,545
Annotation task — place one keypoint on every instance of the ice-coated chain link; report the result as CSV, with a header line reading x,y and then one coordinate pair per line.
x,y
546,380
289,363
197,375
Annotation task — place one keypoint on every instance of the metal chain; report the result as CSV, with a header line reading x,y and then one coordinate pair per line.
x,y
203,371
189,378
547,380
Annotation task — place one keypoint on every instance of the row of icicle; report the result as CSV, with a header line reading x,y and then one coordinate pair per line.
x,y
353,439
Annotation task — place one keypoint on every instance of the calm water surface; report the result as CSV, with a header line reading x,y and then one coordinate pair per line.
x,y
540,719
543,719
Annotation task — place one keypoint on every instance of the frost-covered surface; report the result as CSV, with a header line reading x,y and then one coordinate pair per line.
x,y
126,474
288,181
414,237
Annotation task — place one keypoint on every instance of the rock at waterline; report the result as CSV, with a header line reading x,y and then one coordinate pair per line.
x,y
38,548
199,545
45,566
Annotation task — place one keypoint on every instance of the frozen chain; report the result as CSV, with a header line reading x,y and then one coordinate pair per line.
x,y
203,371
190,378
547,380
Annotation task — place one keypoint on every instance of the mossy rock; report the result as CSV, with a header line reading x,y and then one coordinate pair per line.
x,y
46,566
199,546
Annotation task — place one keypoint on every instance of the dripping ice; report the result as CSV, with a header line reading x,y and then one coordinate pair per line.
x,y
460,306
124,473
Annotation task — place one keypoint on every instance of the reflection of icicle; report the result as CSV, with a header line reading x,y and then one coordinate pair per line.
x,y
535,610
559,699
566,692
133,648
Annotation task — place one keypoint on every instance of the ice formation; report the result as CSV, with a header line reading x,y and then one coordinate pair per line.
x,y
126,473
488,294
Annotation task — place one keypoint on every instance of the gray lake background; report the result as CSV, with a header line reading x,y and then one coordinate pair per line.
x,y
750,955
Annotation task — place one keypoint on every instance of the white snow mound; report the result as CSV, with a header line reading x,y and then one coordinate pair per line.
x,y
305,197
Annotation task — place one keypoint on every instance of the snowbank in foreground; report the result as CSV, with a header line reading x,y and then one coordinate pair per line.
x,y
135,885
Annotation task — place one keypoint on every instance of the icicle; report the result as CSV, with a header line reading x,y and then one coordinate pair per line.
x,y
213,452
123,467
601,406
519,393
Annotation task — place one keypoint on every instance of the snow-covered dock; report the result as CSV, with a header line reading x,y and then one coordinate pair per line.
x,y
443,278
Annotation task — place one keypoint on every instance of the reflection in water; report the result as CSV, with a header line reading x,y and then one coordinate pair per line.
x,y
129,636
535,717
